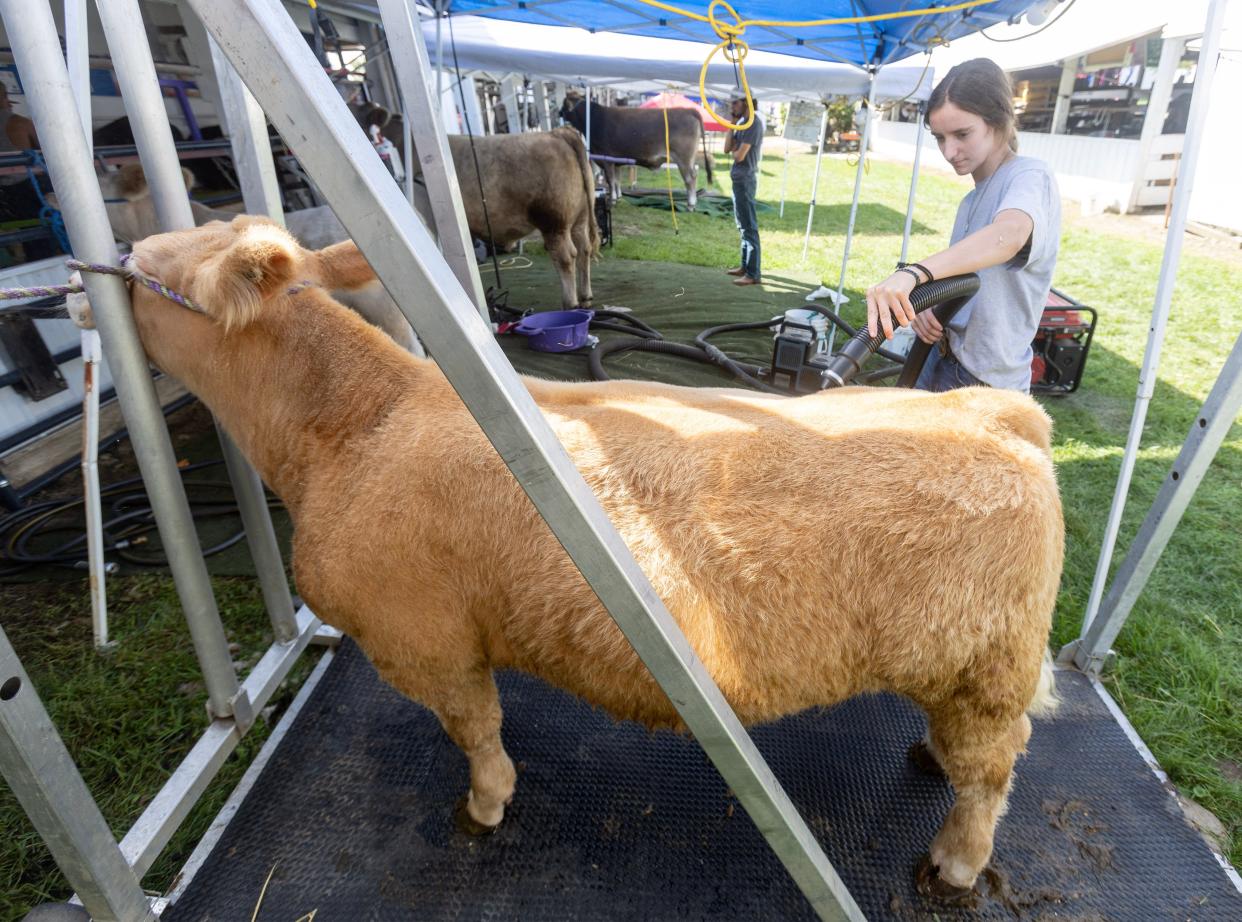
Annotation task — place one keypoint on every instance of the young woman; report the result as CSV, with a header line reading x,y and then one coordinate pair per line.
x,y
1007,230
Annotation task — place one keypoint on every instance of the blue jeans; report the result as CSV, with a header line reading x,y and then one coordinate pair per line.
x,y
747,222
944,373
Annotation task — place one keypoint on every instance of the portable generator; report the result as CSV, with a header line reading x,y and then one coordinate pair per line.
x,y
1061,345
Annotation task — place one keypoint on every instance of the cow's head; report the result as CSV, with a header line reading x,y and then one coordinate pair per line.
x,y
127,198
570,110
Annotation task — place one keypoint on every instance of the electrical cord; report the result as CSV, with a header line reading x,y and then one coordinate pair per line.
x,y
54,532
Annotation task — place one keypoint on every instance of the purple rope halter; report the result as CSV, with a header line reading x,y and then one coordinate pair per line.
x,y
124,270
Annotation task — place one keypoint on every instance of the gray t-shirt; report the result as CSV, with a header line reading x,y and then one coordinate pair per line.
x,y
748,166
991,335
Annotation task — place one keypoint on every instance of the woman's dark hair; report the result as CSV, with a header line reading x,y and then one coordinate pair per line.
x,y
978,86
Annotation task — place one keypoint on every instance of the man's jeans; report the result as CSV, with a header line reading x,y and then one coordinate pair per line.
x,y
747,223
944,373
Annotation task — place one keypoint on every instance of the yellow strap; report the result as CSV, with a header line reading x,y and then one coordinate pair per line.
x,y
668,174
735,49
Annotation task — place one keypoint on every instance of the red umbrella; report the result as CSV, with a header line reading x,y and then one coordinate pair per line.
x,y
677,101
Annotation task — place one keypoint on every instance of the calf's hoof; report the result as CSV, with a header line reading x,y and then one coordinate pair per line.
x,y
466,823
929,883
920,756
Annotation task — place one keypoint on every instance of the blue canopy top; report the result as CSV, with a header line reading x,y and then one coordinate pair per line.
x,y
861,44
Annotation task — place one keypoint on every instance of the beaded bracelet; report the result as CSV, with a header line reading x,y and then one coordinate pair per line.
x,y
910,272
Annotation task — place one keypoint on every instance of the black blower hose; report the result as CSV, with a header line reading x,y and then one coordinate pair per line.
x,y
943,296
679,349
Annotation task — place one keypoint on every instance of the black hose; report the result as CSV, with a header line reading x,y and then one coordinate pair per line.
x,y
679,349
943,296
129,520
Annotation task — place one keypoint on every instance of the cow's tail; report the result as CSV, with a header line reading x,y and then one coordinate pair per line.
x,y
707,160
571,137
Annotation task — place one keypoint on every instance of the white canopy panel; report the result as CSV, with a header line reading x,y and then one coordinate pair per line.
x,y
632,62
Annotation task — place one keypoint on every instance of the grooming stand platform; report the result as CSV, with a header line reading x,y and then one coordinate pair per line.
x,y
352,816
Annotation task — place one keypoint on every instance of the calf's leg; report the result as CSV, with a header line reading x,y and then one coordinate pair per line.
x,y
563,253
689,175
582,243
977,751
468,708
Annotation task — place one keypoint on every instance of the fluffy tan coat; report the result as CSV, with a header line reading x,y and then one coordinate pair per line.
x,y
811,549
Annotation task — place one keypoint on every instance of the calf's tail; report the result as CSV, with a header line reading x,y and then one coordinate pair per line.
x,y
571,137
707,160
1046,700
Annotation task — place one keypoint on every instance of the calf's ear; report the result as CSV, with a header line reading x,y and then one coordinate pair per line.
x,y
233,285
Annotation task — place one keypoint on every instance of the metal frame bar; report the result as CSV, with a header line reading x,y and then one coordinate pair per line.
x,y
36,47
274,60
144,104
152,830
1164,296
43,777
422,117
1207,433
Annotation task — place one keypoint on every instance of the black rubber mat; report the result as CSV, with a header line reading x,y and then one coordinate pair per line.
x,y
610,822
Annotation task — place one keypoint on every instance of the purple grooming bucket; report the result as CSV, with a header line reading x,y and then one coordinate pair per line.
x,y
556,331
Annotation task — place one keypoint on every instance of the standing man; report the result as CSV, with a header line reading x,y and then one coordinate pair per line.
x,y
744,146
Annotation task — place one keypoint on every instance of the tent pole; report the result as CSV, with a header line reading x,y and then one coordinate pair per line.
x,y
914,180
1164,296
819,159
588,118
439,53
271,54
863,145
785,173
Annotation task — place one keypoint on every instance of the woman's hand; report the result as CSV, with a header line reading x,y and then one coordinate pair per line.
x,y
888,301
927,328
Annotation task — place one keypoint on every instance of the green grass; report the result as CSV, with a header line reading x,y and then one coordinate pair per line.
x,y
129,716
1179,672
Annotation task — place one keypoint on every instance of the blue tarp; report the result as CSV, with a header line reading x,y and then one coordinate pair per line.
x,y
864,44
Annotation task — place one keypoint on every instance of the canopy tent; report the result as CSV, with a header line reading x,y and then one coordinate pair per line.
x,y
678,101
861,44
631,62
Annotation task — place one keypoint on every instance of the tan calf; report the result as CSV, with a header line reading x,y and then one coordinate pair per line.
x,y
810,549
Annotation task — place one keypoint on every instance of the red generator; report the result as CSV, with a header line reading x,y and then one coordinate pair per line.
x,y
1061,345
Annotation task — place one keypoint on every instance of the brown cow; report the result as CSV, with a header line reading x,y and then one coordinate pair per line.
x,y
927,565
619,131
538,180
530,184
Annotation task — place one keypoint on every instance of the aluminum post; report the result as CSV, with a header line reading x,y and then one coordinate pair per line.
x,y
863,144
409,58
77,58
274,60
36,48
144,103
1207,433
246,125
1164,294
914,180
41,774
819,159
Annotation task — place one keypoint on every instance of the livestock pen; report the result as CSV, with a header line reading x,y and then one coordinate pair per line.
x,y
547,871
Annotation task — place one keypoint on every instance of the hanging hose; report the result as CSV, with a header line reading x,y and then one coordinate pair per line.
x,y
668,174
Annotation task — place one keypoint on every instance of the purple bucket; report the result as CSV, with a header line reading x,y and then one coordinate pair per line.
x,y
556,331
